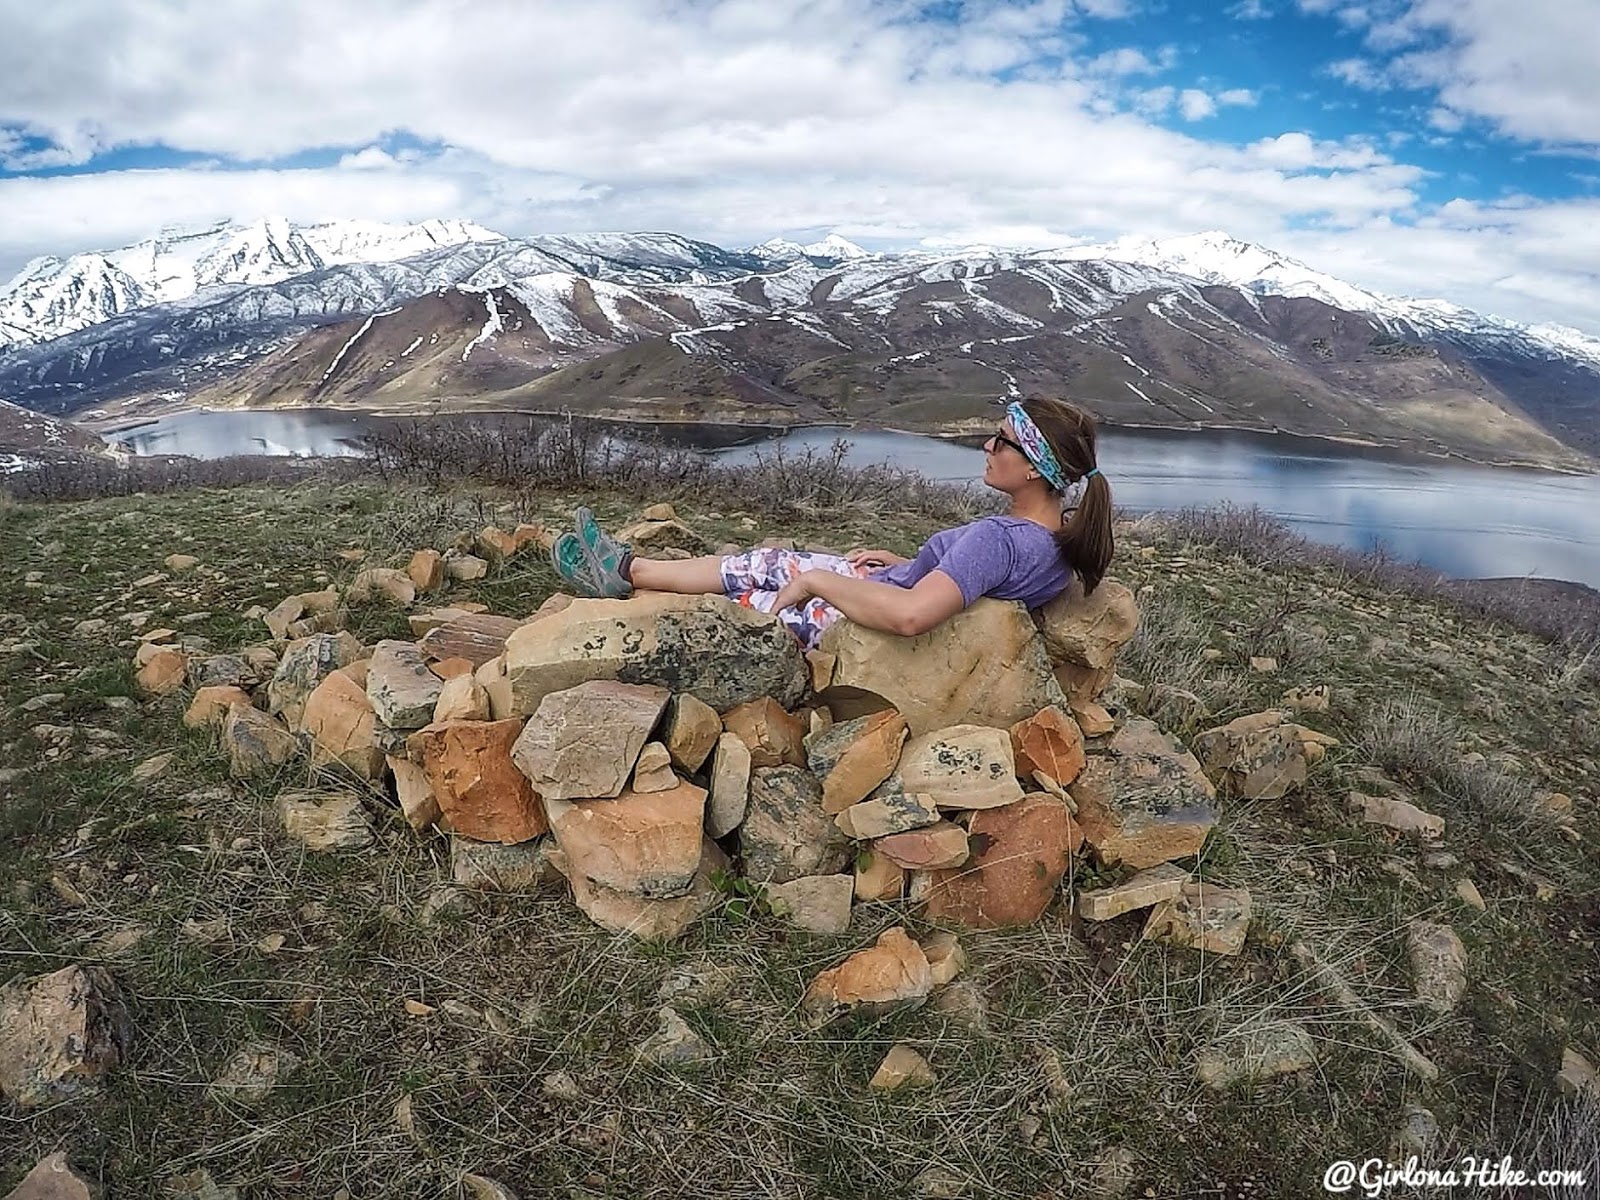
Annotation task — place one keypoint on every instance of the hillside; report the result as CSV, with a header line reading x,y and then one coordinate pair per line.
x,y
1180,332
422,1029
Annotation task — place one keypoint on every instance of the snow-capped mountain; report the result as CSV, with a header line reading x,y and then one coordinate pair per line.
x,y
1284,347
51,297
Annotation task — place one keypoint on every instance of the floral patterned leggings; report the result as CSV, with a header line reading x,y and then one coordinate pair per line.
x,y
755,577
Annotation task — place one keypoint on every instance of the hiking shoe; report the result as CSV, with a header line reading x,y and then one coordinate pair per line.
x,y
591,560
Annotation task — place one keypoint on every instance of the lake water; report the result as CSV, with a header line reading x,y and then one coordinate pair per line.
x,y
1469,522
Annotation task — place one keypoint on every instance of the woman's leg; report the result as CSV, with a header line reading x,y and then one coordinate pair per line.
x,y
691,576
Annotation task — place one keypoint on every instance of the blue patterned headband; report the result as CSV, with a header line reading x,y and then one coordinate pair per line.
x,y
1038,450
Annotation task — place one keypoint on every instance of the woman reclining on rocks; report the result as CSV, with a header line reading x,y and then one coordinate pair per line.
x,y
1042,449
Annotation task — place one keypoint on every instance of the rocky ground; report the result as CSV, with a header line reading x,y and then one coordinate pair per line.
x,y
1415,971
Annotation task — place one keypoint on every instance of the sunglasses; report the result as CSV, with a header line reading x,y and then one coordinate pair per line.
x,y
1003,440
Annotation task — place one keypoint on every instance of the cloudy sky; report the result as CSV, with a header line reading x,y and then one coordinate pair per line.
x,y
1422,147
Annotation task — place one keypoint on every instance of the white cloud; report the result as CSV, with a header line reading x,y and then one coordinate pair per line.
x,y
725,119
1195,105
1250,10
1359,72
1240,97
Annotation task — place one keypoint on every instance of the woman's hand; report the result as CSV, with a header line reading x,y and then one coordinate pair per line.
x,y
875,558
797,591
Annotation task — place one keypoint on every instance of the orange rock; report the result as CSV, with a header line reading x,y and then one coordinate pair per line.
x,y
494,543
478,788
774,736
1049,741
879,877
644,843
426,570
211,704
1019,854
163,673
892,974
927,849
1092,718
526,534
449,668
342,726
853,757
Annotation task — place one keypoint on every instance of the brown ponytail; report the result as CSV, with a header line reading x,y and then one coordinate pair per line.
x,y
1085,539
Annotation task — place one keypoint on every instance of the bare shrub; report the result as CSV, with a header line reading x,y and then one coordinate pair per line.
x,y
1564,613
95,478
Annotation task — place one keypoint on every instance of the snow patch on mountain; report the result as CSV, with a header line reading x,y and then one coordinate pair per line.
x,y
491,326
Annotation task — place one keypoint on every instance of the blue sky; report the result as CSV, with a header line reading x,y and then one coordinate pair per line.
x,y
1424,147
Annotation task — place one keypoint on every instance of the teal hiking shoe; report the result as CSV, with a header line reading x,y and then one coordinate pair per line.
x,y
591,560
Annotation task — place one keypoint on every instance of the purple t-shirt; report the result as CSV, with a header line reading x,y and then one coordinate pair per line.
x,y
1009,558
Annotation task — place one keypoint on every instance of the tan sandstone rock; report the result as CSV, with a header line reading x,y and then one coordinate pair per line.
x,y
426,570
464,567
1399,815
774,737
1258,756
211,704
930,848
1148,887
414,793
647,843
1202,916
1145,801
729,797
1260,1053
492,678
653,772
492,867
256,743
1082,635
582,742
59,1033
476,637
985,666
53,1177
1438,965
325,820
889,811
1019,855
402,690
707,646
480,791
853,757
382,583
690,728
902,1067
878,877
890,975
163,673
462,698
1049,741
815,903
962,766
642,917
342,727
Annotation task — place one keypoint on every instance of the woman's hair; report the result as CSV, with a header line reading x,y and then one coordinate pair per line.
x,y
1085,538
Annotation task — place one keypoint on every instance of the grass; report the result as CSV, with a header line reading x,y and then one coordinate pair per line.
x,y
1083,1073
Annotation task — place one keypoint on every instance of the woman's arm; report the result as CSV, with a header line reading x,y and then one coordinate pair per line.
x,y
881,606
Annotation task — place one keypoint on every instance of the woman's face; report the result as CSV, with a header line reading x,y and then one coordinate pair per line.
x,y
1005,467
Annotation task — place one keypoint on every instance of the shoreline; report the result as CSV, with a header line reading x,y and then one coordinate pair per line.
x,y
109,427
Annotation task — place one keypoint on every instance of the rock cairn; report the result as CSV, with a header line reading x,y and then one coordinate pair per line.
x,y
641,752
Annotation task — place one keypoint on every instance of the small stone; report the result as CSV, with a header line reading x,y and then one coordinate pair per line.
x,y
1019,855
773,736
153,768
1399,815
426,570
890,813
1438,965
163,673
690,729
252,1073
1577,1076
1146,801
59,1033
815,903
198,1185
560,1086
902,1067
1279,1049
464,567
1148,887
462,698
476,785
785,834
851,758
1264,664
962,766
1202,917
653,772
382,583
54,1179
729,797
1093,720
946,958
646,844
1468,893
1049,741
402,691
1311,700
582,742
211,704
493,867
963,1003
272,943
878,877
481,1187
256,744
325,821
940,846
892,974
342,727
675,1044
414,793
1258,756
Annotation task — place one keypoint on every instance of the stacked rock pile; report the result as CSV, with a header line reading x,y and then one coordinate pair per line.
x,y
642,750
